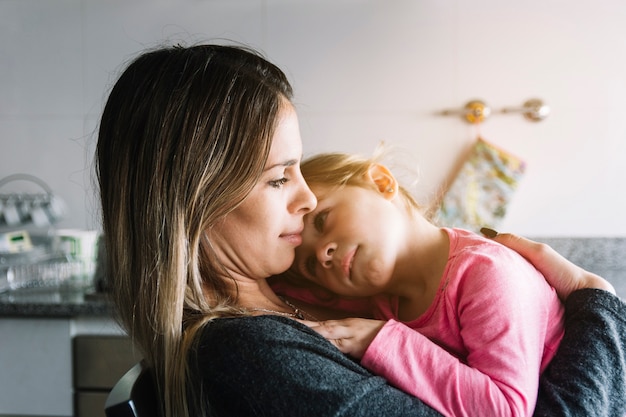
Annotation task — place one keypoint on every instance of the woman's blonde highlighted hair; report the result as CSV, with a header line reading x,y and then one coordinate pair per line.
x,y
183,139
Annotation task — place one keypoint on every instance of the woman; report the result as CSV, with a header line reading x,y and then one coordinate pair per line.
x,y
202,199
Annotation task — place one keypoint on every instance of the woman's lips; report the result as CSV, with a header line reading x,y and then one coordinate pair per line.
x,y
346,263
294,238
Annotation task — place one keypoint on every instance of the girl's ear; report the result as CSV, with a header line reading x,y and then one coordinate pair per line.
x,y
384,180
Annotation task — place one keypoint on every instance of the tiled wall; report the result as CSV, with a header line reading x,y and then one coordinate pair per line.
x,y
364,71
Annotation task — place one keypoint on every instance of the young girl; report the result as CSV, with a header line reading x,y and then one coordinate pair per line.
x,y
468,324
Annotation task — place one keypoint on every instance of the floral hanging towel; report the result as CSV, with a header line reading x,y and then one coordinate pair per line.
x,y
482,189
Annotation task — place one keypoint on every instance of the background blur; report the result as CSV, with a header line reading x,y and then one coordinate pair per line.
x,y
364,71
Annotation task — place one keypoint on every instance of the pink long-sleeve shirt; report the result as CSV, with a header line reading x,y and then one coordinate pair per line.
x,y
479,349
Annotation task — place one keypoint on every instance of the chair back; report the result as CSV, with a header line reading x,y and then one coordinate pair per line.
x,y
134,395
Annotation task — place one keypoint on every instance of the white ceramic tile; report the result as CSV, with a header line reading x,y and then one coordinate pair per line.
x,y
41,50
363,70
54,151
541,45
116,32
363,55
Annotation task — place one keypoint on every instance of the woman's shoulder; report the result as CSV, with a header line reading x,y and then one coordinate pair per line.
x,y
276,342
267,335
254,328
223,345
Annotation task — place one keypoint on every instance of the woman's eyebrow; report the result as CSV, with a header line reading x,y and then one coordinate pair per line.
x,y
288,163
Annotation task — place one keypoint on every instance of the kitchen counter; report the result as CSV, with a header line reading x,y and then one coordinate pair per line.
x,y
54,302
604,256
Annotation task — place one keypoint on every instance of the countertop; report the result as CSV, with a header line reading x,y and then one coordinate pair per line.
x,y
54,302
604,256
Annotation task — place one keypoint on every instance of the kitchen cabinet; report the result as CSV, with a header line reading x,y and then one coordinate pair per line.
x,y
36,362
99,361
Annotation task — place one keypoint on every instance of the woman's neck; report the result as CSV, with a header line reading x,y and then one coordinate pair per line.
x,y
260,299
256,293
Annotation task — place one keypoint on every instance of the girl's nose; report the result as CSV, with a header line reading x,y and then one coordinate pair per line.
x,y
325,254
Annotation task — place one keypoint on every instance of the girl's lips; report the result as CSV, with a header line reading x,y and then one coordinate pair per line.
x,y
346,263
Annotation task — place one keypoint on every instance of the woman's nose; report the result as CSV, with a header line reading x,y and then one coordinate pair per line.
x,y
325,254
306,200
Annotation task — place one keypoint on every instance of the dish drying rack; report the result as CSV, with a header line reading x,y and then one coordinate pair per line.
x,y
30,253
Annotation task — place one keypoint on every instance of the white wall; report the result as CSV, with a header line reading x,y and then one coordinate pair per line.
x,y
363,71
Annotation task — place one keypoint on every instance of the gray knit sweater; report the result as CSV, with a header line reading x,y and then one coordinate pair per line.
x,y
587,377
273,366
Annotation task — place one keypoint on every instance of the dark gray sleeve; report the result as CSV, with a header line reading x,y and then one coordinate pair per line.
x,y
587,377
273,366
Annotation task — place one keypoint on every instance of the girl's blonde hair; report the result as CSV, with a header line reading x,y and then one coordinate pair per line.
x,y
341,169
183,139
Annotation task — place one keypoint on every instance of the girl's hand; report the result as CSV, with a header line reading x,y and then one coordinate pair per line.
x,y
351,336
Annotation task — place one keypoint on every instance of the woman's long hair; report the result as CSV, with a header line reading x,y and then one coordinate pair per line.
x,y
183,139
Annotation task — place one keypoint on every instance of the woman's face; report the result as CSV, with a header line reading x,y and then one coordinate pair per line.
x,y
258,238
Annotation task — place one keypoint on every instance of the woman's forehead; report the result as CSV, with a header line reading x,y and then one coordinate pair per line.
x,y
286,143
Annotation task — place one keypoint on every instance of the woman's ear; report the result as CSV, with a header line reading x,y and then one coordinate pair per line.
x,y
384,180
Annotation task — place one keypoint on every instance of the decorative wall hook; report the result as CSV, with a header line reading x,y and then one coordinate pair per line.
x,y
534,110
477,111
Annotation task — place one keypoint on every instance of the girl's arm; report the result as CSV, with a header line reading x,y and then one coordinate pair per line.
x,y
499,321
588,374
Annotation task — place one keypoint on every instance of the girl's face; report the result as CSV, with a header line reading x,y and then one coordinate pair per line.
x,y
351,241
258,238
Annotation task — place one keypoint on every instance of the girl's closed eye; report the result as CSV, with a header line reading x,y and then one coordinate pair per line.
x,y
319,219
